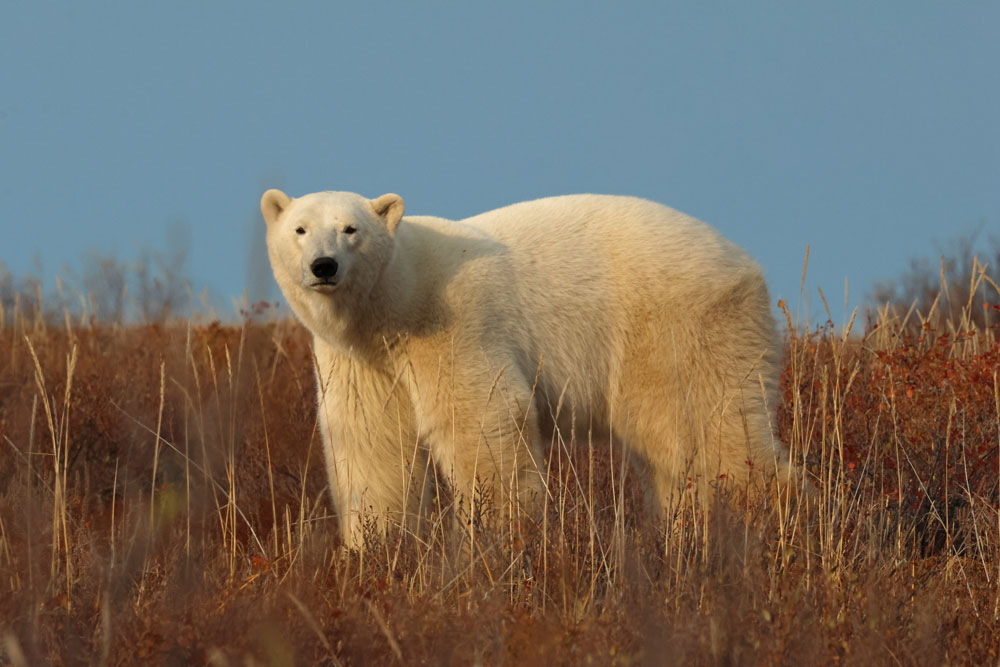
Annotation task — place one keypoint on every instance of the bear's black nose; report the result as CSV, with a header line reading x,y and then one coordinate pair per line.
x,y
324,267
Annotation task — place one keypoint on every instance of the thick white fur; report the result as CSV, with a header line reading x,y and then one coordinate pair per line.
x,y
456,343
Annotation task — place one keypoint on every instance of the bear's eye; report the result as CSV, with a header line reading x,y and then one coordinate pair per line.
x,y
300,230
350,229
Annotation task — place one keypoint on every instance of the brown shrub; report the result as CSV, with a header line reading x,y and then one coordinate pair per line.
x,y
213,544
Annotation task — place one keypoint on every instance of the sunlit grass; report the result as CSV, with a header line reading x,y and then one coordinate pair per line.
x,y
162,499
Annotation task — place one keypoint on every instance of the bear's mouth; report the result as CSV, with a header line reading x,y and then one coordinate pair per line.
x,y
326,285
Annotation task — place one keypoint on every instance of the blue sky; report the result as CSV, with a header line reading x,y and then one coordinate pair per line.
x,y
868,130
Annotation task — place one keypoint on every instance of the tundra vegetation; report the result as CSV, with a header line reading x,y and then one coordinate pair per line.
x,y
162,501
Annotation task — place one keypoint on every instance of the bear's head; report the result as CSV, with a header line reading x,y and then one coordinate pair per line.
x,y
328,249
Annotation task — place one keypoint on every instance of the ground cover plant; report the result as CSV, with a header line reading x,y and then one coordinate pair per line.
x,y
162,502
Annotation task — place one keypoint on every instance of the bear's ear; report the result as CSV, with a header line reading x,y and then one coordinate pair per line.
x,y
390,208
273,204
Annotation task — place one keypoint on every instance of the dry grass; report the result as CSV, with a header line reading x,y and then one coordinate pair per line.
x,y
162,502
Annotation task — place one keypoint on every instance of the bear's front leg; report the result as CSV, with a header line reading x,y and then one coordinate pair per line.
x,y
378,469
482,430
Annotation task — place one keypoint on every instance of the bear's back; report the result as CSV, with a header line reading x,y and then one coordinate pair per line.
x,y
634,241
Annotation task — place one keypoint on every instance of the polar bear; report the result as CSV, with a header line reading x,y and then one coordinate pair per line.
x,y
448,347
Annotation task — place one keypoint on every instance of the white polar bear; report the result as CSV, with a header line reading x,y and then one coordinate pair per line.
x,y
456,343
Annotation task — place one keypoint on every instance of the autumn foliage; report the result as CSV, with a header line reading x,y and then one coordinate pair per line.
x,y
162,502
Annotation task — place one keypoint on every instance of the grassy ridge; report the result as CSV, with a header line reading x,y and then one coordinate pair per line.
x,y
161,501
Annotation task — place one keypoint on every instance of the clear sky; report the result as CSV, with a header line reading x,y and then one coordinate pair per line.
x,y
866,129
